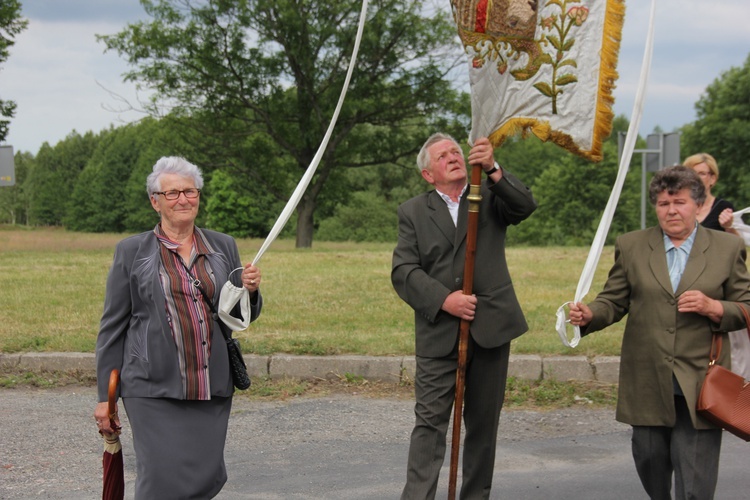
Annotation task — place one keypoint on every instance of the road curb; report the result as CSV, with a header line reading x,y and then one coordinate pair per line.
x,y
603,369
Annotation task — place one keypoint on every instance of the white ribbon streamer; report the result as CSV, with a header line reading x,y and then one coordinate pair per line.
x,y
305,181
743,230
587,276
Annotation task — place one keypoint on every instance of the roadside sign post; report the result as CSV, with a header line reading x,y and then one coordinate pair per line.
x,y
7,167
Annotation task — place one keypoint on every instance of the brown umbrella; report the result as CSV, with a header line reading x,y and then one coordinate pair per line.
x,y
113,487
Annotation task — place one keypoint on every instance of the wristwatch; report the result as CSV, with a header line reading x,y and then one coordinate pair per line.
x,y
494,169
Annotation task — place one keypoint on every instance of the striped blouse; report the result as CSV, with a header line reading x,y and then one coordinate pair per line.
x,y
189,316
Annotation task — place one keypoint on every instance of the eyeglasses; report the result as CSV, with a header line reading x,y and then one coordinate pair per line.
x,y
174,194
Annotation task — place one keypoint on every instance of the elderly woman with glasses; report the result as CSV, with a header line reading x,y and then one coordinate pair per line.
x,y
159,331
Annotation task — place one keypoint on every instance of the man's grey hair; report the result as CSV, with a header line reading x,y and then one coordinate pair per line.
x,y
172,165
423,158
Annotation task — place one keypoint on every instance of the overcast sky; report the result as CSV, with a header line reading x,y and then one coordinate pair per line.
x,y
62,80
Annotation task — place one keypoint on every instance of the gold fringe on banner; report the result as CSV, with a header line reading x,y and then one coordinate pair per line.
x,y
503,47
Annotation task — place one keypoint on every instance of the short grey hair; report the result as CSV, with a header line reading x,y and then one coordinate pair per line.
x,y
674,179
172,165
423,158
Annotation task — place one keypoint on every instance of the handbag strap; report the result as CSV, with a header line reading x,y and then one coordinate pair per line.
x,y
197,284
716,341
715,348
747,318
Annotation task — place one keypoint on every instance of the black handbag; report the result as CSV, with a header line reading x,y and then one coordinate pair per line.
x,y
236,362
237,366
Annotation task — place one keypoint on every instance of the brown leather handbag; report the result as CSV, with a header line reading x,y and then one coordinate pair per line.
x,y
725,396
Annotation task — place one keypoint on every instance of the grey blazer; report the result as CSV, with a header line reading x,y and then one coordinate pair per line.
x,y
134,335
658,340
429,258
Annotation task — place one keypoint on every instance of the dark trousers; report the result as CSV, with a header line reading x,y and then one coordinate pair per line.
x,y
435,384
693,456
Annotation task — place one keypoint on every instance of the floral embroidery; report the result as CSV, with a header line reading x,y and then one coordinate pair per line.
x,y
556,31
504,32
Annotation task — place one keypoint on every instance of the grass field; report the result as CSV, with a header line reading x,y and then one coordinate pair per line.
x,y
335,298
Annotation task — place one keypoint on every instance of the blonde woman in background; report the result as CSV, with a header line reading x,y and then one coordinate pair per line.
x,y
715,212
718,214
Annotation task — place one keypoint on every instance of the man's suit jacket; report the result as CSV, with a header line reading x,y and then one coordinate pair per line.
x,y
658,340
428,264
134,333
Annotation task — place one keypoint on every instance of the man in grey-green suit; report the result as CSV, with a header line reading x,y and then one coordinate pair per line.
x,y
427,273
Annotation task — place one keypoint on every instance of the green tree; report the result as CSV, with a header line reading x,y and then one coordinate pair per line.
x,y
53,177
234,209
274,69
369,213
110,193
11,24
722,129
528,158
572,195
366,218
97,201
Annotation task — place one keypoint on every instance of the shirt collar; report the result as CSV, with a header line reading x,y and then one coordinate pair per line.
x,y
687,245
200,243
448,199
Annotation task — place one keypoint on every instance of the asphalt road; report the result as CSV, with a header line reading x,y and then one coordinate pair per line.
x,y
333,447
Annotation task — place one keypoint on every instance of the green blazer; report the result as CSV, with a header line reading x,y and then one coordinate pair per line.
x,y
428,264
658,340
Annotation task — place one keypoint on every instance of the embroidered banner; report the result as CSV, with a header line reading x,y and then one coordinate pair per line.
x,y
542,66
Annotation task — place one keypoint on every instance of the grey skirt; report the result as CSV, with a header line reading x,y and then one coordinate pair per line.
x,y
179,446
